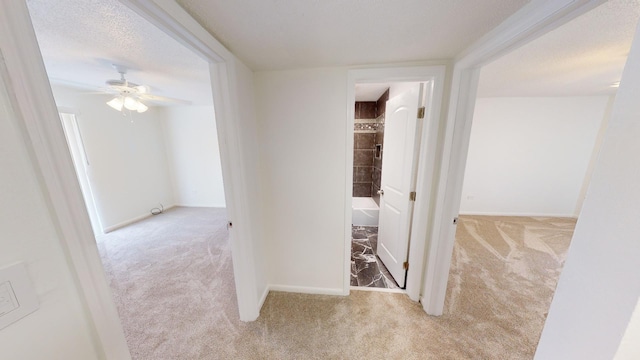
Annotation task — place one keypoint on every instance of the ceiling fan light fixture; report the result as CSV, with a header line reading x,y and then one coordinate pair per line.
x,y
130,103
116,103
141,107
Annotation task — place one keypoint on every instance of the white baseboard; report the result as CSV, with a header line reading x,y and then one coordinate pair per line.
x,y
307,290
117,226
489,213
372,289
217,206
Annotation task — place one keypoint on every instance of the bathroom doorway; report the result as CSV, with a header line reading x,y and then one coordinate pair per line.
x,y
387,137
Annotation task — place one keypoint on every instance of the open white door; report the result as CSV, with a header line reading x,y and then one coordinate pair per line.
x,y
397,174
81,164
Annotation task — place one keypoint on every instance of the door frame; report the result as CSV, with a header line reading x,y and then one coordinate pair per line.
x,y
527,24
32,99
426,73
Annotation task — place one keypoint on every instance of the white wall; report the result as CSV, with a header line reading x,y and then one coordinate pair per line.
x,y
629,348
599,288
129,172
193,155
60,328
302,120
529,156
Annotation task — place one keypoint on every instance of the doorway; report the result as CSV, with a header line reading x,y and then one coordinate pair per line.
x,y
386,143
393,151
139,139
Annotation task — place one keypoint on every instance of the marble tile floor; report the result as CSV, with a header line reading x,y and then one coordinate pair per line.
x,y
366,268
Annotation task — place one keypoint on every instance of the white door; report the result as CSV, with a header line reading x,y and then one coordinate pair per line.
x,y
397,172
82,166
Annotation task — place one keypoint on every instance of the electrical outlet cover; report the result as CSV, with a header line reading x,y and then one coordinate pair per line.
x,y
17,296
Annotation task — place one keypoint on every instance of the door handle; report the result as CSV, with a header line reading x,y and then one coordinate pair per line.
x,y
380,192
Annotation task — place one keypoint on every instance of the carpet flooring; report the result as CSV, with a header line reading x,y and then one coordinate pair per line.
x,y
172,280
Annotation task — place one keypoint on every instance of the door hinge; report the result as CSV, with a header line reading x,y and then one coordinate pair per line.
x,y
412,196
421,112
405,265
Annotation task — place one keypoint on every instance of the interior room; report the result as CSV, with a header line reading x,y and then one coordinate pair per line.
x,y
497,265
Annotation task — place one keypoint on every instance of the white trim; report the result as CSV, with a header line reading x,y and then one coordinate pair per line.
x,y
489,213
263,297
348,195
307,290
531,21
169,17
33,103
372,289
435,74
217,206
132,220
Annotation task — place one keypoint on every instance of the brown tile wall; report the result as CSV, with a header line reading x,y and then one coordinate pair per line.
x,y
367,170
366,109
363,154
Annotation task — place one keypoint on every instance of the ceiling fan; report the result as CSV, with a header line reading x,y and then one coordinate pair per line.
x,y
130,96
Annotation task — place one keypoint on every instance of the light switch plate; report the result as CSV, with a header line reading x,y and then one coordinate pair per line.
x,y
8,301
17,296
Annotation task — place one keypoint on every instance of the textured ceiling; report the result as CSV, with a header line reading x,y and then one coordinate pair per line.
x,y
80,39
285,34
583,57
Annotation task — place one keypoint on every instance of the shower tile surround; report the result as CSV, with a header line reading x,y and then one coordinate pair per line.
x,y
368,131
366,268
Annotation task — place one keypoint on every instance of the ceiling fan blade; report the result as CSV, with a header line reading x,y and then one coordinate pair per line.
x,y
123,89
142,89
157,98
103,91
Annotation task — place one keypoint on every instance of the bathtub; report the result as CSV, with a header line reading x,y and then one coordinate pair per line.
x,y
365,211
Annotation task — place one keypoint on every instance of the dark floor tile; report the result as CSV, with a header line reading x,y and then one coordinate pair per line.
x,y
359,234
359,248
390,282
354,277
376,280
373,240
366,268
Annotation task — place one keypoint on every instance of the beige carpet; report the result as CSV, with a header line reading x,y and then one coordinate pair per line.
x,y
172,279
